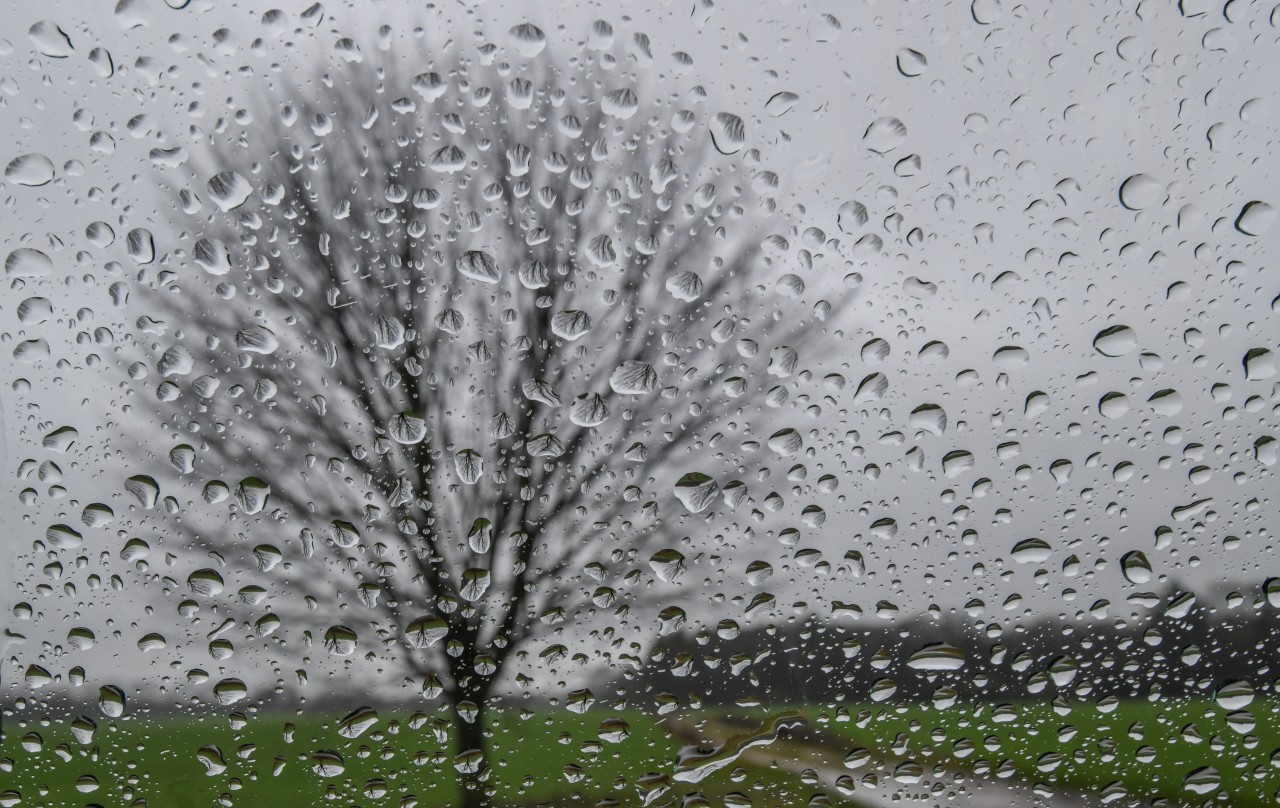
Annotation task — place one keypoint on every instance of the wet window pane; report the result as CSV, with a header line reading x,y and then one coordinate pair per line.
x,y
688,404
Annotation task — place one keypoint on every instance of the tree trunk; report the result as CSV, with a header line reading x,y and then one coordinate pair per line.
x,y
472,758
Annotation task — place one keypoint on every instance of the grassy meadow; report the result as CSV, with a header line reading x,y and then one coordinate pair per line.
x,y
1146,750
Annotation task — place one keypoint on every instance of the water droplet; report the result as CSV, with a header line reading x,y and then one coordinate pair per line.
x,y
425,631
141,245
780,104
50,40
728,133
37,677
634,378
83,729
357,722
327,763
26,262
938,656
475,582
1204,780
668,565
694,764
911,62
620,104
601,36
447,160
985,12
1271,589
1234,695
786,442
686,285
32,170
825,28
1031,551
696,491
1259,364
407,428
1141,191
144,490
872,388
1113,405
469,466
1256,218
229,190
340,641
929,418
614,730
1135,567
212,256
1266,450
35,310
151,642
527,39
205,583
957,462
589,410
252,494
884,135
111,701
211,758
63,537
571,324
478,265
1116,340
1011,357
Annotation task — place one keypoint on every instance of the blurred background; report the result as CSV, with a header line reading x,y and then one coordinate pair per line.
x,y
514,405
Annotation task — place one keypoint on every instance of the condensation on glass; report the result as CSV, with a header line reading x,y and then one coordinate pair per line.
x,y
662,405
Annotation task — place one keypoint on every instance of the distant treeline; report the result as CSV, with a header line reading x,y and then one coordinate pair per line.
x,y
1182,649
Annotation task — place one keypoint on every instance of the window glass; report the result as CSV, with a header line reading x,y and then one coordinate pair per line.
x,y
678,404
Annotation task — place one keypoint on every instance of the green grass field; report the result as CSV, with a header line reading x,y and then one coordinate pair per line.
x,y
1148,748
156,758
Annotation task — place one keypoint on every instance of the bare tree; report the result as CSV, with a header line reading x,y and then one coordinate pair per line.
x,y
465,343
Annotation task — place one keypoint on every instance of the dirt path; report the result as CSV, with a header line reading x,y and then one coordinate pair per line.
x,y
808,751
